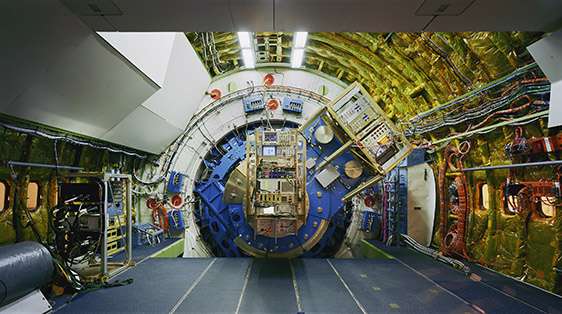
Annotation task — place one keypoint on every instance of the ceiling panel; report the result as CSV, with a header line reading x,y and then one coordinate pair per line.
x,y
39,39
444,7
98,23
503,15
324,15
350,15
174,102
251,15
58,72
87,85
172,15
143,130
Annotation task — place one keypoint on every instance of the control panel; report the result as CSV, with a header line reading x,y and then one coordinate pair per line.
x,y
364,122
253,103
294,105
275,199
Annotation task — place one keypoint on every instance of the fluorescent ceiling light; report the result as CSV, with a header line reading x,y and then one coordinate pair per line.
x,y
244,40
297,56
299,39
246,45
248,57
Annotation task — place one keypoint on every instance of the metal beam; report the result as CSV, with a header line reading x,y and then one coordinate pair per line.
x,y
36,165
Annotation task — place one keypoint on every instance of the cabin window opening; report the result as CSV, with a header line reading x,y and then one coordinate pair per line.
x,y
547,206
33,196
512,198
4,196
512,206
484,194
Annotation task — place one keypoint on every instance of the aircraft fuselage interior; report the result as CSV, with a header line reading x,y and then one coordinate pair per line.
x,y
281,156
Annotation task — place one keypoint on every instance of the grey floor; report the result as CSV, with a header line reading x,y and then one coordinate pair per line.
x,y
243,285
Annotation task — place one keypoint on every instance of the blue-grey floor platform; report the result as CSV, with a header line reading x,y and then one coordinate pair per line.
x,y
492,291
244,285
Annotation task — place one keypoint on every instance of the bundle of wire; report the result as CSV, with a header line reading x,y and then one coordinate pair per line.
x,y
435,254
65,260
461,114
528,69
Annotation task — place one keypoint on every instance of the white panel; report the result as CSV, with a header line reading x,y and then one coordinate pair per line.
x,y
555,111
503,15
143,130
547,52
58,72
149,52
33,302
349,15
421,203
185,85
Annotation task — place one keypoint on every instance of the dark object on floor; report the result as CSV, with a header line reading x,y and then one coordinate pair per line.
x,y
24,267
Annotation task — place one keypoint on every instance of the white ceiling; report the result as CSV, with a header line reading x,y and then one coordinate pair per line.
x,y
56,71
148,51
162,117
321,15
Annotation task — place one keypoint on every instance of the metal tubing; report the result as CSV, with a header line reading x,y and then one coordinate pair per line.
x,y
129,236
129,221
31,164
526,164
104,229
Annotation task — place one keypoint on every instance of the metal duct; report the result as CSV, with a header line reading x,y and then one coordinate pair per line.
x,y
24,267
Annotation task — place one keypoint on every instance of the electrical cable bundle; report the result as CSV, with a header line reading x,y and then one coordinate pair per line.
x,y
69,139
461,114
73,244
478,92
71,277
435,254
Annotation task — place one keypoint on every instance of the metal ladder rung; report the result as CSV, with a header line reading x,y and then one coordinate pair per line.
x,y
115,251
114,238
